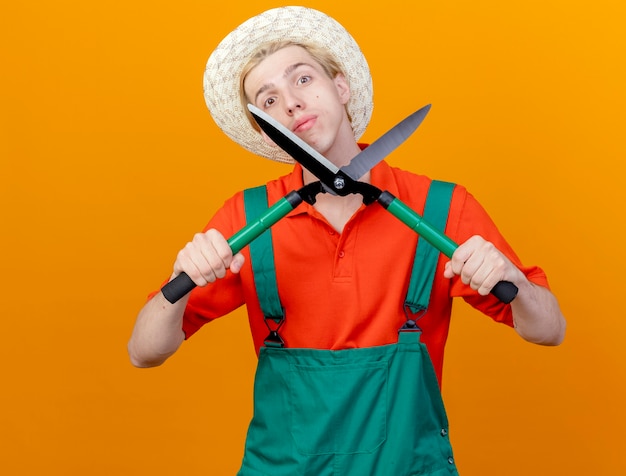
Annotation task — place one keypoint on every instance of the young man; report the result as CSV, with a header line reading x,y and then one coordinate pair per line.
x,y
339,390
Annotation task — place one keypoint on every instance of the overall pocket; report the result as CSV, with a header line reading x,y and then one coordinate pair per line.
x,y
338,409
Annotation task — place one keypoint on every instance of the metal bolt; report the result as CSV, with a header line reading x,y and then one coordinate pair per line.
x,y
339,183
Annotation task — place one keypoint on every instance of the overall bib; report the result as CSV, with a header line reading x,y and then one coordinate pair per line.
x,y
373,411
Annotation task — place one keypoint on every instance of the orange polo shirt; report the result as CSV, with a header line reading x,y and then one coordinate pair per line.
x,y
346,290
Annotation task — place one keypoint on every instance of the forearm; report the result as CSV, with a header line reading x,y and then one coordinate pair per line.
x,y
537,316
536,313
157,333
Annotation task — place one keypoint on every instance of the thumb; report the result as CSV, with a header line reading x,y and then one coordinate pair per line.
x,y
447,271
237,263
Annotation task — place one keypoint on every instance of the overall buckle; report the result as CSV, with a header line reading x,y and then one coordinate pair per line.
x,y
274,339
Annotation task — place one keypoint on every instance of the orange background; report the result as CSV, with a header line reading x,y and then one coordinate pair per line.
x,y
110,162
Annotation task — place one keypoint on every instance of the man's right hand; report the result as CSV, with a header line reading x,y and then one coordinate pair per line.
x,y
206,258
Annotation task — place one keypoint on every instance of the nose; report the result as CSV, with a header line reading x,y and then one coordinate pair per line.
x,y
293,103
293,108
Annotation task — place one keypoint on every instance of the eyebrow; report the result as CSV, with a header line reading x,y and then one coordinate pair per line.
x,y
290,69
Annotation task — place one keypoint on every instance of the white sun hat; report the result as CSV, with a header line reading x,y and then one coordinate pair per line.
x,y
297,24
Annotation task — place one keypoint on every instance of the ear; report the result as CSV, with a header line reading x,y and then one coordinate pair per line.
x,y
342,88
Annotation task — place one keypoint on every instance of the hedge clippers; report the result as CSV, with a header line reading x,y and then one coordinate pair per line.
x,y
339,181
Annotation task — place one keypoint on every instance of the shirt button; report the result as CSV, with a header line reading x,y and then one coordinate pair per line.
x,y
451,460
342,254
444,432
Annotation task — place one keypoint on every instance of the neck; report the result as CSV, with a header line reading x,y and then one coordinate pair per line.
x,y
338,210
338,155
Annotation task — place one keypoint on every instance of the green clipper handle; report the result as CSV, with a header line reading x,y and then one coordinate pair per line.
x,y
182,284
505,291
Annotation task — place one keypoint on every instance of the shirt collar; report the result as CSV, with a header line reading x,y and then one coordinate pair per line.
x,y
381,176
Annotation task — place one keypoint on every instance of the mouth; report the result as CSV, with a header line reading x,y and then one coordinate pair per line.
x,y
304,124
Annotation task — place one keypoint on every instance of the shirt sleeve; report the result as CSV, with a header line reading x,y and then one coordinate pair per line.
x,y
468,218
224,295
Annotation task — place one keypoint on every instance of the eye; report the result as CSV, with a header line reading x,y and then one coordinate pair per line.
x,y
268,102
304,79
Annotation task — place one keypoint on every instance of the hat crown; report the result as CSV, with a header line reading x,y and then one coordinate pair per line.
x,y
297,24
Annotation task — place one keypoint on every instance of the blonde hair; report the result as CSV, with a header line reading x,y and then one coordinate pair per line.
x,y
320,55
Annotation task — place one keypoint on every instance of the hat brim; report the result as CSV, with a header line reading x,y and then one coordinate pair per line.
x,y
298,24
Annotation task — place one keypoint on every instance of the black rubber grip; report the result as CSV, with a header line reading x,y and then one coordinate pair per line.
x,y
178,287
505,291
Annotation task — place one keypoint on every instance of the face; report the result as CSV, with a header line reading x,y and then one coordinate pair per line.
x,y
294,89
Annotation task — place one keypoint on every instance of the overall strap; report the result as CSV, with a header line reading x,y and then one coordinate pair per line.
x,y
262,261
426,256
